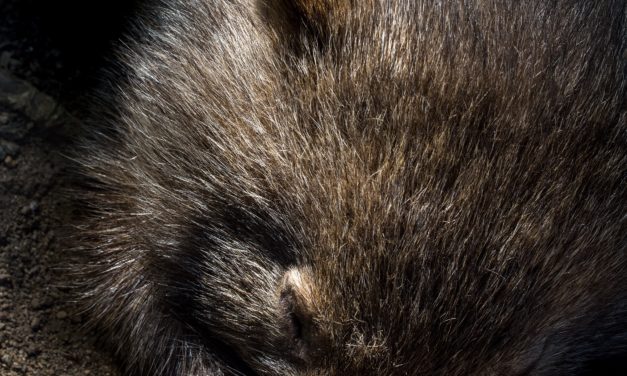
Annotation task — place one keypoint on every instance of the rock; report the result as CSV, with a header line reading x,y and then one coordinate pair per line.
x,y
35,324
20,368
33,351
39,304
23,97
31,208
62,315
6,359
8,148
9,161
15,128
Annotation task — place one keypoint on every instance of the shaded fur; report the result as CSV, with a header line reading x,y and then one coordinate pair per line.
x,y
361,188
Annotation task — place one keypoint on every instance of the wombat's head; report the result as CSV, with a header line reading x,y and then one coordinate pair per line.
x,y
364,188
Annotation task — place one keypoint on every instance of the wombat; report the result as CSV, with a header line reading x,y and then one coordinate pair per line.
x,y
372,187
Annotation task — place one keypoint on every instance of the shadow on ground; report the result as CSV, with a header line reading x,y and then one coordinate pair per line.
x,y
50,53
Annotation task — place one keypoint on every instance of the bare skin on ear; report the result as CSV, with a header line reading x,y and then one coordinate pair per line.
x,y
299,282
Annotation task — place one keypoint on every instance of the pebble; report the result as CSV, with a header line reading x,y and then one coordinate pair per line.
x,y
25,98
8,148
20,368
9,161
35,324
6,359
61,315
31,208
14,129
39,304
33,351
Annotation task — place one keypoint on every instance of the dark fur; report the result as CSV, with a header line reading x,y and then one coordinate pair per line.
x,y
362,188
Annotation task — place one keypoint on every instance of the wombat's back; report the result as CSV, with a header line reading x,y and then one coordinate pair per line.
x,y
375,187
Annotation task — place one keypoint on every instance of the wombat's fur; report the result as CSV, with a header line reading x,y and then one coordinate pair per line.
x,y
372,187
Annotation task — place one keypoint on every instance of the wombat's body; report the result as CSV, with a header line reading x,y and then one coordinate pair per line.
x,y
363,188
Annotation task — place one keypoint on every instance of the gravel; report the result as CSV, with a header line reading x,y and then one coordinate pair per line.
x,y
40,331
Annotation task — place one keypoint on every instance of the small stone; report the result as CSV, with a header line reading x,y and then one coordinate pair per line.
x,y
39,304
4,118
33,351
6,359
19,368
25,98
9,161
14,129
2,326
35,324
9,148
31,208
62,315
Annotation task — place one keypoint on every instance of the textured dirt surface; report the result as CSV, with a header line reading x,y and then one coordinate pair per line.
x,y
39,332
44,71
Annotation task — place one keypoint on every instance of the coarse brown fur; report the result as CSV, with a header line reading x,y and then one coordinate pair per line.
x,y
369,187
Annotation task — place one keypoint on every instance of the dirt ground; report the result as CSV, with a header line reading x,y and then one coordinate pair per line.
x,y
48,59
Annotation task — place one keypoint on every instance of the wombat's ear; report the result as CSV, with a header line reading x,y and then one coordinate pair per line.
x,y
296,305
313,19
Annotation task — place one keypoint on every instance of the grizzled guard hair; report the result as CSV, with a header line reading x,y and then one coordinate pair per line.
x,y
361,187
